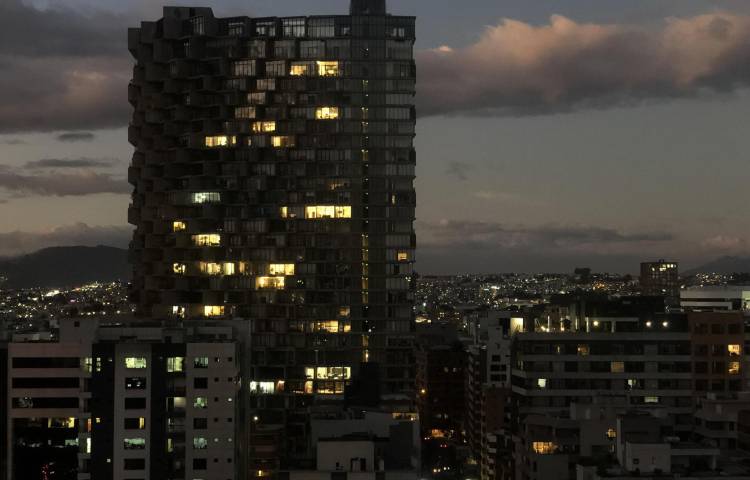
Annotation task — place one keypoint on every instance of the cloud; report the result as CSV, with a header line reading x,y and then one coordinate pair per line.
x,y
725,244
61,185
459,170
82,162
75,137
13,141
489,235
14,243
519,69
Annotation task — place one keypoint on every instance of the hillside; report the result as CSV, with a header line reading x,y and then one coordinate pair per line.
x,y
65,266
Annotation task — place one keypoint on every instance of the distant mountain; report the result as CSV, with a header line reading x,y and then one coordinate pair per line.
x,y
723,265
65,266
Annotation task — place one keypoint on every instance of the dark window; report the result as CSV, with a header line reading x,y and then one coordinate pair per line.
x,y
200,464
200,423
135,403
735,328
134,464
47,362
200,382
137,423
45,402
717,328
38,382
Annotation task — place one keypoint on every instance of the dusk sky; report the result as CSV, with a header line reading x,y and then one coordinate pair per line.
x,y
551,134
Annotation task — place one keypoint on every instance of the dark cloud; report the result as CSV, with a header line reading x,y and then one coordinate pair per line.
x,y
61,185
494,235
14,243
59,31
67,163
519,69
460,170
76,137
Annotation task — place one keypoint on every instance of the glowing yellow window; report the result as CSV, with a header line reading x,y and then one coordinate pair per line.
x,y
281,269
403,256
135,362
207,240
178,226
611,433
276,283
733,368
328,211
617,367
264,127
213,310
282,141
330,326
734,350
228,268
209,268
583,350
284,212
178,311
179,268
220,141
327,113
299,70
543,448
328,69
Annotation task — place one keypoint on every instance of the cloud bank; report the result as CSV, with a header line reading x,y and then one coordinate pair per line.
x,y
520,69
53,184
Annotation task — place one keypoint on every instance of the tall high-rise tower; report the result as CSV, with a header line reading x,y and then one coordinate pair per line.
x,y
273,174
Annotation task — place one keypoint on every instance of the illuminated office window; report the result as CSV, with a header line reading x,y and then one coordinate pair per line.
x,y
179,268
734,350
178,226
541,382
264,127
135,362
244,112
207,240
200,402
228,268
205,197
327,113
175,364
209,268
331,326
221,141
403,256
134,443
281,269
328,69
283,141
611,433
544,448
200,443
328,211
213,310
178,311
328,373
273,283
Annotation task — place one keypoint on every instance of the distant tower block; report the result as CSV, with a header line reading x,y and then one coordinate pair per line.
x,y
367,7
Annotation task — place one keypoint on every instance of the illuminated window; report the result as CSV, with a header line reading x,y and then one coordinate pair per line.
x,y
300,69
135,362
178,226
328,373
281,269
244,112
345,311
611,433
284,212
541,382
403,256
264,127
328,69
328,211
207,240
617,367
734,350
134,443
179,268
200,402
209,268
213,310
282,141
583,350
276,283
175,364
733,368
200,362
543,448
650,399
178,311
200,443
221,141
327,113
228,268
206,197
331,326
265,388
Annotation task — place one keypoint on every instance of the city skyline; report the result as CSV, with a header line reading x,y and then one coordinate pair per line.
x,y
603,172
